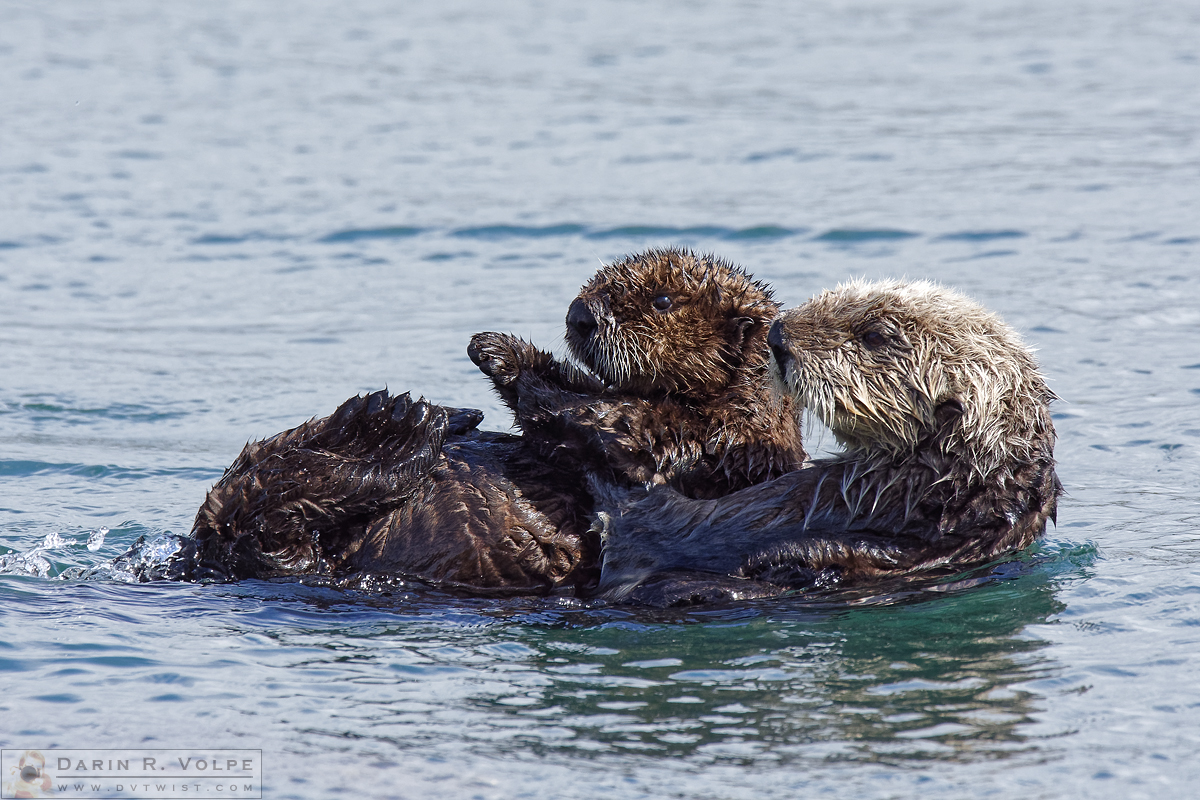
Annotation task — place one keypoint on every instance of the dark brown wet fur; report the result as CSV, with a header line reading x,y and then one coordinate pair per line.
x,y
391,487
678,387
401,489
949,459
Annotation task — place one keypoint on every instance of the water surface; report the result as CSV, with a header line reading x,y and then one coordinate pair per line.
x,y
221,219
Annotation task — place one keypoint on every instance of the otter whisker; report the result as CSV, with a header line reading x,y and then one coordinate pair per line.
x,y
816,498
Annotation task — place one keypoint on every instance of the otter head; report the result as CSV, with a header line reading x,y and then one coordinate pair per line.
x,y
895,367
671,321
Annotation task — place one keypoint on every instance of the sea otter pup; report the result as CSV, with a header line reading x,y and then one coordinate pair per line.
x,y
678,342
948,459
407,489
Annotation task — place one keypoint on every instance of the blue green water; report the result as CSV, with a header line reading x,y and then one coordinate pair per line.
x,y
218,220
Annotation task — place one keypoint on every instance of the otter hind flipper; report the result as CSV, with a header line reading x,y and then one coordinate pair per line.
x,y
290,504
382,452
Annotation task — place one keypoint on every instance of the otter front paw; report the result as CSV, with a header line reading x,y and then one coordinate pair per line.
x,y
498,355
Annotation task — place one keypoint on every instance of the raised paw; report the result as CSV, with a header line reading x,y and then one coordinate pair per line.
x,y
498,355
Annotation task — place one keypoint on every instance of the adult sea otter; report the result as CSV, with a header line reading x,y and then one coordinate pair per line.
x,y
948,462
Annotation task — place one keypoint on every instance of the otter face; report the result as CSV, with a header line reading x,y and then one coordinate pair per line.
x,y
891,365
670,321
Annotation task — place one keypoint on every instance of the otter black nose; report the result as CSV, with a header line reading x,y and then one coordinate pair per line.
x,y
779,349
581,319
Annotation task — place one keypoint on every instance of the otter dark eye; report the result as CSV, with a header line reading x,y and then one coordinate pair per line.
x,y
874,340
662,302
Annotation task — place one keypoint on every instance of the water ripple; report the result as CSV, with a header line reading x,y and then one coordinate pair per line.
x,y
26,468
851,236
979,236
357,234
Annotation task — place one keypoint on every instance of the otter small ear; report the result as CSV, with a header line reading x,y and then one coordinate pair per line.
x,y
947,412
739,330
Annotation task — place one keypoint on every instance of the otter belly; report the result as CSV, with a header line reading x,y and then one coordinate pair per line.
x,y
489,517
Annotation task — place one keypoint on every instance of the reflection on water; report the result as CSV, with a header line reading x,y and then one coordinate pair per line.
x,y
934,677
772,683
927,680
